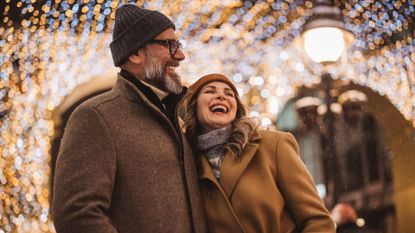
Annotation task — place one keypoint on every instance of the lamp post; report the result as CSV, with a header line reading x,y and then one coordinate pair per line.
x,y
324,35
324,40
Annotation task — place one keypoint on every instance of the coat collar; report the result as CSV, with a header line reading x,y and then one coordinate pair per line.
x,y
231,169
131,92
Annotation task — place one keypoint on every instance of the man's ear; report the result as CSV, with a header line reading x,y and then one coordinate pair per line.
x,y
137,58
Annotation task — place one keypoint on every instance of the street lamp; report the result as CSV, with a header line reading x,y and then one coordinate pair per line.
x,y
325,44
325,40
324,36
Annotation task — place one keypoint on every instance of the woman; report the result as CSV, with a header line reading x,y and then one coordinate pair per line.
x,y
251,180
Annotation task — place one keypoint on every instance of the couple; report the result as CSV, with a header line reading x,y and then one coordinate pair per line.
x,y
126,165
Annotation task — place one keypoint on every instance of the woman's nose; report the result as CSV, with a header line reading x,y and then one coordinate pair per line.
x,y
221,95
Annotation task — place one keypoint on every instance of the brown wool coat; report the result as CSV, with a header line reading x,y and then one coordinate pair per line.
x,y
118,170
268,190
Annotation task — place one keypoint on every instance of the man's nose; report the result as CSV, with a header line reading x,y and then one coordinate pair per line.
x,y
179,55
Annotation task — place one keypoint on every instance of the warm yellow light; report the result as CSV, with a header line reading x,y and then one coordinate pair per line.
x,y
324,44
360,222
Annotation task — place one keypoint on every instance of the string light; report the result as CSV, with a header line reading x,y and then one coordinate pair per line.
x,y
49,48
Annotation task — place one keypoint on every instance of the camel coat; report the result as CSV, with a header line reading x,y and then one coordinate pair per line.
x,y
267,190
123,167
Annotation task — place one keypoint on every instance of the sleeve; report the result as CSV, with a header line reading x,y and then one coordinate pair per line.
x,y
84,177
298,189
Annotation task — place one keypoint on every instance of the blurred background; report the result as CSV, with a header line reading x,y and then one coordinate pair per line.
x,y
55,54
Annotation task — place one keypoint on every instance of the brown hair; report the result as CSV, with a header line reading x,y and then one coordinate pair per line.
x,y
243,127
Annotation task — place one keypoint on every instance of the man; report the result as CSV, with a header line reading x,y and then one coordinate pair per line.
x,y
311,140
124,165
362,155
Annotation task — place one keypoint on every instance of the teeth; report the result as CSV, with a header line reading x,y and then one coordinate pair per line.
x,y
219,108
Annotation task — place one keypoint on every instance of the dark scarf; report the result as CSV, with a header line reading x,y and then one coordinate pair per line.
x,y
167,105
213,146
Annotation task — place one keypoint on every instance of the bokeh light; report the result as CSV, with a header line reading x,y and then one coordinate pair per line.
x,y
48,48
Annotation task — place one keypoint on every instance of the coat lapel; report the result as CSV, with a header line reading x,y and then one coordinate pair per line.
x,y
207,174
232,169
127,89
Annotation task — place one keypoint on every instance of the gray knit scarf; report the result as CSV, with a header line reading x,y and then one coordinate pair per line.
x,y
213,146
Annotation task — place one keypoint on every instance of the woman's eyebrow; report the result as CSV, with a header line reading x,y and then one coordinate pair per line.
x,y
209,86
214,87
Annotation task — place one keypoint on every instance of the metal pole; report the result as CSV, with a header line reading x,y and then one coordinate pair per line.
x,y
329,121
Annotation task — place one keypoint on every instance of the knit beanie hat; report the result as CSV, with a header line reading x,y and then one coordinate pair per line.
x,y
200,83
134,27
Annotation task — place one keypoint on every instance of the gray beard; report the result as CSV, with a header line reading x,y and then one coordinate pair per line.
x,y
156,75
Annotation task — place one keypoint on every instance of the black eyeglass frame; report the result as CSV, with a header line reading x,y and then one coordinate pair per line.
x,y
173,45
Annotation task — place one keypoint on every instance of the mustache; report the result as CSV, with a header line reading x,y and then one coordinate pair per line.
x,y
173,63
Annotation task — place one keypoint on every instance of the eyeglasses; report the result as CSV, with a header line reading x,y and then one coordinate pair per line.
x,y
173,45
